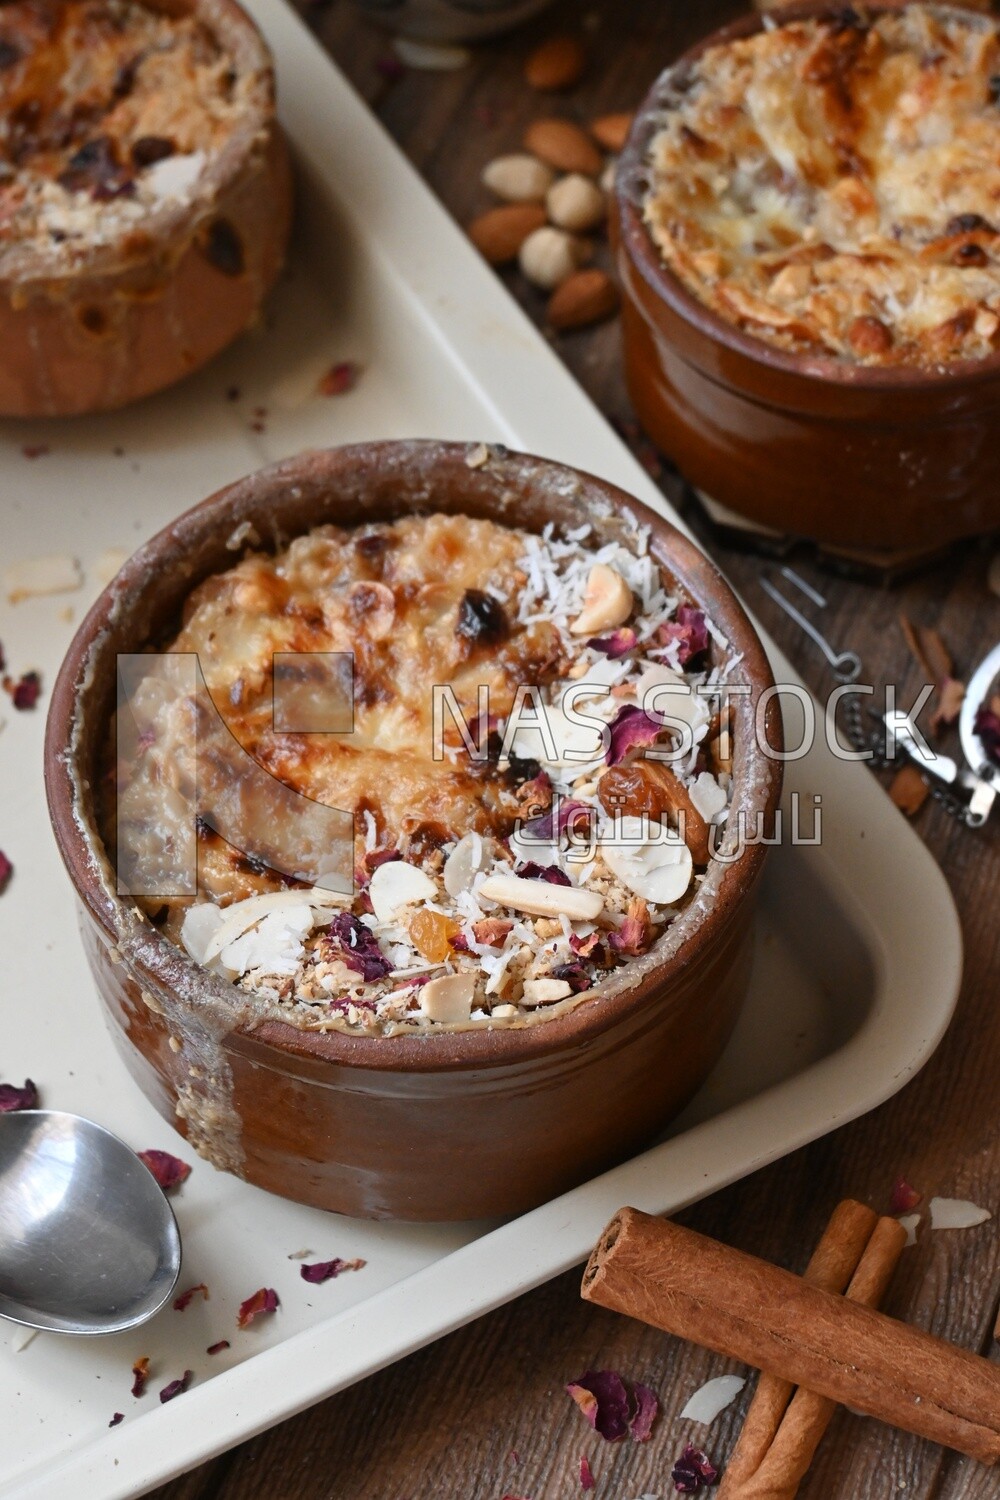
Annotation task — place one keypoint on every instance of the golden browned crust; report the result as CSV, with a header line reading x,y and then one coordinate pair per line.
x,y
833,186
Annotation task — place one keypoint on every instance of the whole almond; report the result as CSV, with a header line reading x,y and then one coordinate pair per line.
x,y
611,131
564,146
583,298
556,64
499,233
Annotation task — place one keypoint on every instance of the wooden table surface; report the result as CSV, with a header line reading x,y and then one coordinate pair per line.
x,y
482,1414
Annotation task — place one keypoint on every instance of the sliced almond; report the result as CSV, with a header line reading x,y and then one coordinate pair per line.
x,y
470,855
540,899
545,991
657,868
556,64
499,233
242,915
564,146
611,131
607,602
398,884
449,998
584,298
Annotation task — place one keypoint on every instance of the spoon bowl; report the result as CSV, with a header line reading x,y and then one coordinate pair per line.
x,y
88,1242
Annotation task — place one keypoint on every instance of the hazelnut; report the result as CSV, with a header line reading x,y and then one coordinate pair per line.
x,y
548,256
607,602
518,178
575,203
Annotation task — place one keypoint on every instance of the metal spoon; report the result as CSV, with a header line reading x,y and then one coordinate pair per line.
x,y
88,1241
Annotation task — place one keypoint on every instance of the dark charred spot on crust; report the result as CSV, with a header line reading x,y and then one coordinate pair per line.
x,y
481,618
224,248
971,254
967,223
372,547
151,148
519,770
9,55
124,81
362,600
95,169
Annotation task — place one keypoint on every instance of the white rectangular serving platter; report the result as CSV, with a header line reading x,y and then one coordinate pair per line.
x,y
859,957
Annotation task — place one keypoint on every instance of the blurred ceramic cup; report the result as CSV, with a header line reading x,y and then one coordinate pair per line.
x,y
450,20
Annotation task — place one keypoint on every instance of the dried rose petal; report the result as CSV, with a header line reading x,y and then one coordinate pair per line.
x,y
6,871
904,1197
631,729
635,934
264,1300
689,627
603,1398
185,1298
140,1372
26,690
693,1471
585,946
616,645
339,378
358,946
390,67
13,1098
177,1387
168,1170
987,726
571,814
575,975
325,1270
586,1474
119,1416
218,1347
35,450
647,1406
550,873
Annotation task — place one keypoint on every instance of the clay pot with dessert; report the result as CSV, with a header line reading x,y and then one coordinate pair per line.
x,y
435,1118
145,196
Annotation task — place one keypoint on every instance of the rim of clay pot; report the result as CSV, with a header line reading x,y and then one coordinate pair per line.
x,y
630,186
287,499
237,33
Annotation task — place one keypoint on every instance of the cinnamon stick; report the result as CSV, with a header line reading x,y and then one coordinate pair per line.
x,y
762,1315
833,1263
783,1467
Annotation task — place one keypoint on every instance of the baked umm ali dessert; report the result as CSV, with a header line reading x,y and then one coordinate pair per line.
x,y
831,184
534,770
388,966
144,195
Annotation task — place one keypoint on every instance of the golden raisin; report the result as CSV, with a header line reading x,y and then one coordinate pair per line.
x,y
431,933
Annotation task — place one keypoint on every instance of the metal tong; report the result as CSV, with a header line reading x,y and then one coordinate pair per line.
x,y
967,791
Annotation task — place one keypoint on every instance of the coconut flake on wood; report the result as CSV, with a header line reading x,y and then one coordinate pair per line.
x,y
705,1404
956,1213
909,1223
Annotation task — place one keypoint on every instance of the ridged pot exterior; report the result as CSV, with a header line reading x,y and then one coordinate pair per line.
x,y
448,1144
885,459
451,1125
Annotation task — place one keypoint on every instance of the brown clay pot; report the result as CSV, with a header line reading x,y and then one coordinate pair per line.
x,y
464,1125
871,458
133,315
